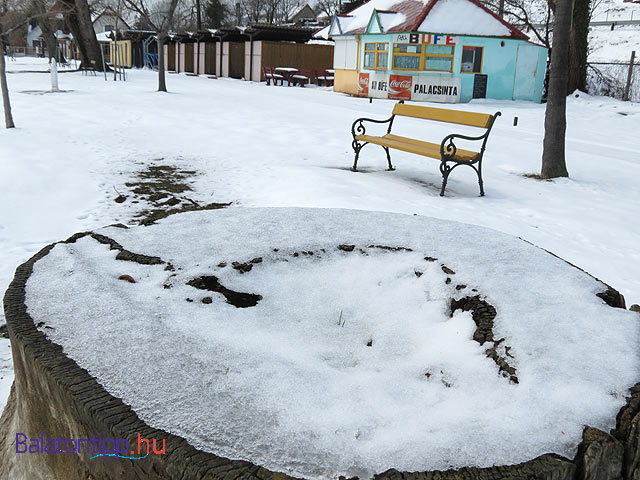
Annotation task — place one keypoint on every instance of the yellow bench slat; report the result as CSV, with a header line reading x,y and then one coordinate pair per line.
x,y
472,119
418,147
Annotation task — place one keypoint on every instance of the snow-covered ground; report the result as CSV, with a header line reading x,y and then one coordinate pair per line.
x,y
273,146
614,46
35,64
615,10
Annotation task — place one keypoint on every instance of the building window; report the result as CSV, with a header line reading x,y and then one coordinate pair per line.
x,y
471,60
438,58
376,55
406,56
109,28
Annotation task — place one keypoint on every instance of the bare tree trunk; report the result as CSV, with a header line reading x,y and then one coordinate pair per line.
x,y
71,19
8,118
555,120
162,86
579,46
49,38
88,34
198,16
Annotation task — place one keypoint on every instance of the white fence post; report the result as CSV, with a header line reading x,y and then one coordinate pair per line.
x,y
54,75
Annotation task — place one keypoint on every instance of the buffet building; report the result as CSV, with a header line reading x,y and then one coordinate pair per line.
x,y
435,50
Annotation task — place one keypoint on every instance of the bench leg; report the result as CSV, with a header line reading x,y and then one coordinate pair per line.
x,y
357,146
444,185
445,170
479,172
386,149
355,161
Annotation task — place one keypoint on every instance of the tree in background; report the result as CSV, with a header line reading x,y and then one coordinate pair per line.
x,y
579,46
328,7
533,16
6,104
160,16
216,14
42,11
79,9
555,120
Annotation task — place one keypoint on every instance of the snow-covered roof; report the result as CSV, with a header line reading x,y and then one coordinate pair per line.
x,y
104,36
458,17
468,18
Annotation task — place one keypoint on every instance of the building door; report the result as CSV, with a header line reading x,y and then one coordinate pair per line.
x,y
188,57
236,59
171,57
210,63
524,85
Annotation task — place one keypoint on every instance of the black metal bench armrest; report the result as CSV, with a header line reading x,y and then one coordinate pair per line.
x,y
448,148
358,127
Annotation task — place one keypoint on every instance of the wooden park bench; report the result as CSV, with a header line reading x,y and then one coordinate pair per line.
x,y
88,69
446,151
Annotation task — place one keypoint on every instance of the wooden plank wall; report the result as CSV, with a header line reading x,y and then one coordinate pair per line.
x,y
297,55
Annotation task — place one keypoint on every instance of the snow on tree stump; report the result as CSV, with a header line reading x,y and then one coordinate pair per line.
x,y
317,343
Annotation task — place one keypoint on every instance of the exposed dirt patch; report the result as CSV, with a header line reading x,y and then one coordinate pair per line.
x,y
212,284
483,314
391,249
123,254
612,297
164,190
537,176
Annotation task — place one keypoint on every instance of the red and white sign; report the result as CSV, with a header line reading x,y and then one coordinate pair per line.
x,y
426,88
363,84
400,87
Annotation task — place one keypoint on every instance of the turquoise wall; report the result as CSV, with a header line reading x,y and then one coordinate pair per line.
x,y
508,63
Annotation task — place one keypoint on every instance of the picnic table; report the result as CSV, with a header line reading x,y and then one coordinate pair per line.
x,y
286,72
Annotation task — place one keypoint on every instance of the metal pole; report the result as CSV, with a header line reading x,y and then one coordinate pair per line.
x,y
251,58
627,87
104,67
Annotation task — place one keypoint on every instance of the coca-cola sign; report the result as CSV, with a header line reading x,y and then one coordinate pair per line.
x,y
363,84
400,87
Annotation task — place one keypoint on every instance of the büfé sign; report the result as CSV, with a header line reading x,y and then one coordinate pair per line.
x,y
426,38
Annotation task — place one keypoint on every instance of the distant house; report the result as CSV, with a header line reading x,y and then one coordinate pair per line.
x,y
434,50
37,46
304,15
107,20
